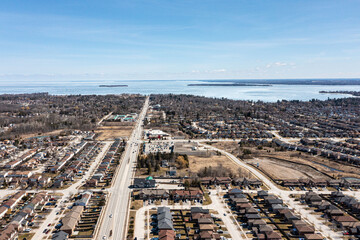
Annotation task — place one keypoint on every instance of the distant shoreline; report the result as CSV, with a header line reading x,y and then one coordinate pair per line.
x,y
229,85
352,93
332,82
112,86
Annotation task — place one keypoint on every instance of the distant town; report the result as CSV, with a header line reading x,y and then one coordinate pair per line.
x,y
167,166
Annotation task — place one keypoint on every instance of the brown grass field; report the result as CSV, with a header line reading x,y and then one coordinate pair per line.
x,y
286,170
198,163
112,132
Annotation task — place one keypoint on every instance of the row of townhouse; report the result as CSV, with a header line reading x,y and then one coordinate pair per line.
x,y
338,156
104,166
236,128
249,213
68,156
165,224
37,180
75,166
22,158
247,182
71,219
176,195
15,174
243,182
307,182
350,203
251,216
7,149
60,164
22,218
333,213
334,146
11,202
203,220
207,181
33,162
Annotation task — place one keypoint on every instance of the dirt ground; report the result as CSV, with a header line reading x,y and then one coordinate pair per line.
x,y
286,170
112,132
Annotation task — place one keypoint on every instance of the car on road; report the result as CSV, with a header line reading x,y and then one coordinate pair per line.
x,y
224,214
104,237
155,230
110,216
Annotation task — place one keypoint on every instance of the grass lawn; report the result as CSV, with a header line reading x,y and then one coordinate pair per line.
x,y
136,204
28,236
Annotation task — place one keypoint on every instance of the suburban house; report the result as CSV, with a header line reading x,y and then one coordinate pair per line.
x,y
148,182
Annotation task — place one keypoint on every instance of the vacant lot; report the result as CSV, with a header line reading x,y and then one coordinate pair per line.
x,y
112,132
197,163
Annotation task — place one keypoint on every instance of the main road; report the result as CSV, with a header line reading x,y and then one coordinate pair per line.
x,y
114,221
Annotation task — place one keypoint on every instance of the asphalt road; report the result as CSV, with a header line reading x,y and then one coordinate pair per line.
x,y
115,217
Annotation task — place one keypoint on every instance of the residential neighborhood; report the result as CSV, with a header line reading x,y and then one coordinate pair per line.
x,y
150,174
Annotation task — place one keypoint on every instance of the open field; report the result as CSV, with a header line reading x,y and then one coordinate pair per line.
x,y
112,132
198,163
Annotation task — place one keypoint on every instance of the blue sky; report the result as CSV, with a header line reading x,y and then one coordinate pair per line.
x,y
55,40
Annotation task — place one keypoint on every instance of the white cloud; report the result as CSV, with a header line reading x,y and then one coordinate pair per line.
x,y
219,70
280,64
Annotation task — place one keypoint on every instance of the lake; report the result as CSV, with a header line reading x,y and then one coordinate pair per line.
x,y
146,87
